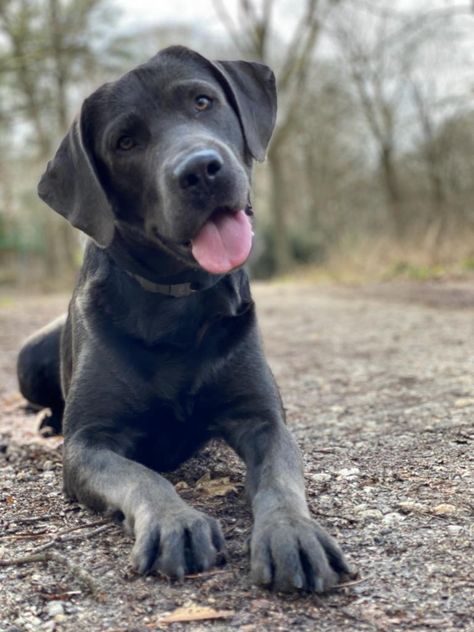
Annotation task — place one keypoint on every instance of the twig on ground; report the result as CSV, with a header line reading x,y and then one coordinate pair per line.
x,y
53,556
207,574
62,596
67,536
30,519
339,517
23,521
24,536
352,583
96,523
14,534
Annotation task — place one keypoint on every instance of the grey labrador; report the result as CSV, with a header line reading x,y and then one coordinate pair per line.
x,y
160,349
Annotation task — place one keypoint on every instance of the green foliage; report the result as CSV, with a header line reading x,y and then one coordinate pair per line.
x,y
19,238
415,272
305,248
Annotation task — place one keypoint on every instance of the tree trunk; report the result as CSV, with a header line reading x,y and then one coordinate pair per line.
x,y
279,213
439,220
64,232
392,190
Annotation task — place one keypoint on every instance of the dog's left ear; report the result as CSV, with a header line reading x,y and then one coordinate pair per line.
x,y
70,186
252,88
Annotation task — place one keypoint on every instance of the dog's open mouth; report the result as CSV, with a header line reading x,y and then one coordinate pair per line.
x,y
224,241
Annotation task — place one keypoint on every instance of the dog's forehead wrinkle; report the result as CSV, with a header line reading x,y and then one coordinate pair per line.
x,y
125,120
197,84
143,92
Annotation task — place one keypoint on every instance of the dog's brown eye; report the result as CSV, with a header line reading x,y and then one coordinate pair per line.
x,y
125,143
202,103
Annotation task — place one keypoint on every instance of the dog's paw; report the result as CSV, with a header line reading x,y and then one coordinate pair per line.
x,y
291,552
178,543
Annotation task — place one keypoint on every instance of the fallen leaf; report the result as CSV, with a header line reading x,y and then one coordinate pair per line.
x,y
195,613
443,509
464,402
216,486
180,485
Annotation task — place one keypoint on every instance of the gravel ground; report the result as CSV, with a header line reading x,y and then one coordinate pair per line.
x,y
378,382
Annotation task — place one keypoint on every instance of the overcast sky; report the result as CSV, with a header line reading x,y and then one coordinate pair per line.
x,y
140,12
202,13
202,16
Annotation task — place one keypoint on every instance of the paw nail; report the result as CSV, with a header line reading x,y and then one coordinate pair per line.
x,y
298,581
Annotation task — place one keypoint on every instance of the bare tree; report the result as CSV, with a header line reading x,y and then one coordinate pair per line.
x,y
16,20
47,46
377,75
253,37
380,46
432,152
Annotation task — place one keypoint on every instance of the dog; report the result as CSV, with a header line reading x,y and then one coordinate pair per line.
x,y
160,350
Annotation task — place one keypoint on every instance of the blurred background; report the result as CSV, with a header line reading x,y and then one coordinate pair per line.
x,y
370,170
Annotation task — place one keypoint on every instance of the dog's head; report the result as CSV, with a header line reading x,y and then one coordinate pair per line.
x,y
165,152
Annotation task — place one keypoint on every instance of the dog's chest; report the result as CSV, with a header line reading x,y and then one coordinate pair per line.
x,y
173,373
174,415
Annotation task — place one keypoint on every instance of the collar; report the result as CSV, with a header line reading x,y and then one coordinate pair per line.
x,y
123,253
174,290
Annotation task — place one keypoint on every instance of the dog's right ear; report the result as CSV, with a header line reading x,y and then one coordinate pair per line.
x,y
70,186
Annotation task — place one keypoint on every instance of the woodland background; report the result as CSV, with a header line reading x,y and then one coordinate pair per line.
x,y
370,171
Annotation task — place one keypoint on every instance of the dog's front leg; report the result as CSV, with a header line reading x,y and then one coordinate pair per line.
x,y
170,536
289,550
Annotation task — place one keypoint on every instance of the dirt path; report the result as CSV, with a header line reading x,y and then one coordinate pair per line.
x,y
378,383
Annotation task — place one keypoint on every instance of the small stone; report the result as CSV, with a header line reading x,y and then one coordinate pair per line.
x,y
325,502
321,477
454,529
60,618
371,514
444,509
28,621
349,473
54,608
392,517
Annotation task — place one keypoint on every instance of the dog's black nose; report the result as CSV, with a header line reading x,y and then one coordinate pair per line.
x,y
200,167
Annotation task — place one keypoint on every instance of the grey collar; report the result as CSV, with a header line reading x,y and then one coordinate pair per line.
x,y
174,290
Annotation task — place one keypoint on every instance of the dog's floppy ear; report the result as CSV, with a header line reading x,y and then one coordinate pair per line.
x,y
71,187
252,88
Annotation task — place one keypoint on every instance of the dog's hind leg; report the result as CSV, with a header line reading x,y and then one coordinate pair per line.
x,y
39,373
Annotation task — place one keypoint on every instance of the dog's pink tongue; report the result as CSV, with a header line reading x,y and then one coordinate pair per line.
x,y
223,243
